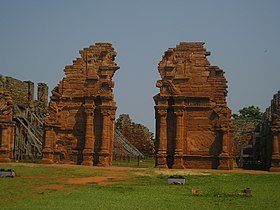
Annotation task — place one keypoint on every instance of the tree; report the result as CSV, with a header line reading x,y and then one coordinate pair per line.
x,y
248,113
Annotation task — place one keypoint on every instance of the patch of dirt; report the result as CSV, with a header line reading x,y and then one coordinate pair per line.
x,y
34,177
52,186
100,180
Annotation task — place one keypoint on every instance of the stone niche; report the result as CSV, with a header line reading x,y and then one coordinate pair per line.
x,y
6,126
193,123
79,126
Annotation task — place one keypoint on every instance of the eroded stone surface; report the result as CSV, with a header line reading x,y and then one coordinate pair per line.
x,y
79,127
267,145
27,114
193,123
244,131
6,126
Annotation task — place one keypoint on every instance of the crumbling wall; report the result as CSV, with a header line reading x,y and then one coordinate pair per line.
x,y
41,104
6,126
262,149
27,115
79,127
244,131
137,134
22,92
193,122
268,143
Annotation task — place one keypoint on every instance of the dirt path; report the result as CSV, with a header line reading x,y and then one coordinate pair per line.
x,y
100,180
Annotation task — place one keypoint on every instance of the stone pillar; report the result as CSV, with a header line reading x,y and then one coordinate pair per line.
x,y
275,161
9,141
225,161
224,142
4,136
4,147
161,138
112,133
48,148
12,141
178,152
88,151
104,149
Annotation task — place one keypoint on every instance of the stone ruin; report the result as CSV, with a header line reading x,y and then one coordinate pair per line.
x,y
270,134
193,125
137,134
79,126
6,126
26,114
244,133
193,122
264,148
26,137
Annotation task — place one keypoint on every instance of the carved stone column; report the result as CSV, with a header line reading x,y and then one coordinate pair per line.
x,y
12,140
48,153
9,141
112,133
275,161
225,158
4,136
178,152
161,138
104,149
88,151
4,147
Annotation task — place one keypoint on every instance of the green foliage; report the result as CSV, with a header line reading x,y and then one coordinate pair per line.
x,y
248,113
142,189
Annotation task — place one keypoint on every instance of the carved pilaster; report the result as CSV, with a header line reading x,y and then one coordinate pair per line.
x,y
162,138
225,160
4,147
88,151
12,140
104,149
48,152
178,152
112,133
275,161
225,145
4,136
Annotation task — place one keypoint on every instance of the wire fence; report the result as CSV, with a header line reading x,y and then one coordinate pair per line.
x,y
143,162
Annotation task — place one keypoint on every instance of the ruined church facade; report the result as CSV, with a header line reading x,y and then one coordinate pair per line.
x,y
193,122
79,126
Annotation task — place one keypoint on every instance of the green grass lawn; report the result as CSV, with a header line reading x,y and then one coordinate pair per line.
x,y
143,188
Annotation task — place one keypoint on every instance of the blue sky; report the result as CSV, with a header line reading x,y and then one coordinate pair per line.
x,y
39,38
